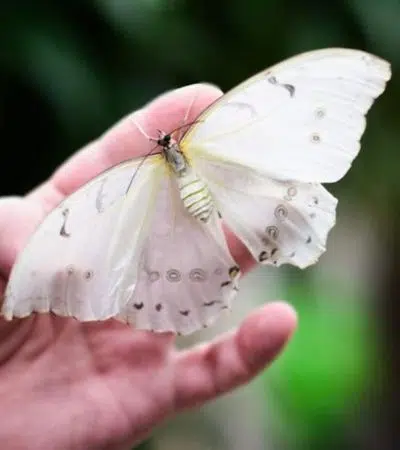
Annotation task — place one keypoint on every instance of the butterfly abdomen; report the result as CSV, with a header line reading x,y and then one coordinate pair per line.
x,y
195,196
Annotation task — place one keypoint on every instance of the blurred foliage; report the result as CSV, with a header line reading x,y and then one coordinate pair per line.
x,y
322,378
70,70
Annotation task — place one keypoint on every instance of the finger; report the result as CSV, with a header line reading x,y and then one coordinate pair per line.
x,y
239,251
125,141
216,368
18,219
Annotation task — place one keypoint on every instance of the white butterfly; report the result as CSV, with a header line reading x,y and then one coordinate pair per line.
x,y
143,241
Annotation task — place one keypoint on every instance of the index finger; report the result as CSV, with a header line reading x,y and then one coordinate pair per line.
x,y
124,141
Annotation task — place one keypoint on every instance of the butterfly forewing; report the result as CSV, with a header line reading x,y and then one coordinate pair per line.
x,y
265,146
82,249
299,120
137,255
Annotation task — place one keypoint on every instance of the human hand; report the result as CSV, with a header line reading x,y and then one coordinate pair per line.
x,y
102,385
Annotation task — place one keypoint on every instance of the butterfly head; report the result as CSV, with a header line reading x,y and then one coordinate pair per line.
x,y
164,140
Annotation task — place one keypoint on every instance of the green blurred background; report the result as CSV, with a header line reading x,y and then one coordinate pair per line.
x,y
70,70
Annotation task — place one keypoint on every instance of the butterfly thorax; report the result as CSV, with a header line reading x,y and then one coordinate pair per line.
x,y
193,191
173,154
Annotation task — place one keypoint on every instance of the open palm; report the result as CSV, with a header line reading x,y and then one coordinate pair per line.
x,y
102,385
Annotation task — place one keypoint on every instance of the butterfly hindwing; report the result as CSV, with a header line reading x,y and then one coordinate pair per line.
x,y
280,222
186,276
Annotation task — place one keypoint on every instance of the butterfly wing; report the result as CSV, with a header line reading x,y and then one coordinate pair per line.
x,y
81,260
299,120
280,222
186,274
137,256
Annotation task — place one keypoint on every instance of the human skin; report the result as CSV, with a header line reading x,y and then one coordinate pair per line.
x,y
102,385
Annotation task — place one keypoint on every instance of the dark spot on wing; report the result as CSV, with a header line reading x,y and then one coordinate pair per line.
x,y
138,305
315,138
234,271
273,232
88,275
290,88
63,231
100,196
281,212
263,256
212,302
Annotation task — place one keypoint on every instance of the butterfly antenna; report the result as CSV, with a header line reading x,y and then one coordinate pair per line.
x,y
188,110
138,167
140,128
183,126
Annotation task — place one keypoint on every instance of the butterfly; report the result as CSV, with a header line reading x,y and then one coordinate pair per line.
x,y
143,241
